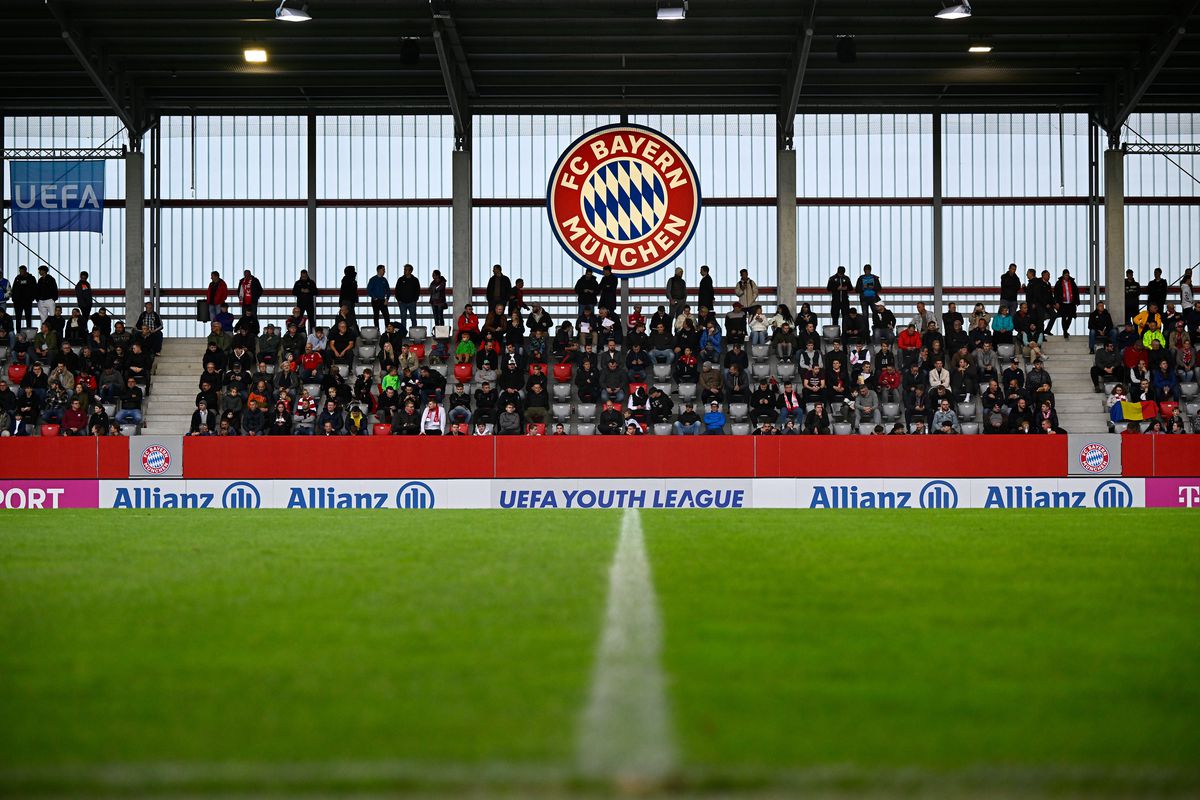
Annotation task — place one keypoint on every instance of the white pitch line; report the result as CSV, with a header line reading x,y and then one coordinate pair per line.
x,y
626,731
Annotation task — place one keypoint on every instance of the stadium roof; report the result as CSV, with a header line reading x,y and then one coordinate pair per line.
x,y
605,56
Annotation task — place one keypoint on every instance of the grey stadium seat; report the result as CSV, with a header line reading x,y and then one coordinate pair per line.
x,y
666,387
866,428
740,428
585,429
562,411
662,370
418,333
830,332
739,410
366,352
785,370
662,429
965,411
760,370
760,352
842,428
687,391
368,334
561,391
1006,351
1189,389
970,428
586,410
891,411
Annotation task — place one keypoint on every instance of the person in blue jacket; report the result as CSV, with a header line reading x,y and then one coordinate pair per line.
x,y
378,290
714,420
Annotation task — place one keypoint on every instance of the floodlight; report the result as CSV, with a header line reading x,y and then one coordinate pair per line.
x,y
956,11
255,54
285,14
672,9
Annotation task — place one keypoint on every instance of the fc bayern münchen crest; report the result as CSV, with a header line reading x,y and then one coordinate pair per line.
x,y
626,197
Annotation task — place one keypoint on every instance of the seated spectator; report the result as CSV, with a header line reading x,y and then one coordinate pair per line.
x,y
254,422
537,405
305,414
945,416
688,422
817,421
203,416
130,412
433,419
280,422
714,420
74,419
866,407
508,421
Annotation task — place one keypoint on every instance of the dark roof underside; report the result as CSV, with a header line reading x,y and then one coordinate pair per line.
x,y
531,56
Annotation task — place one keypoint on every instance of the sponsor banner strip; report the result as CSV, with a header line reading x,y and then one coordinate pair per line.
x,y
1173,493
657,493
49,494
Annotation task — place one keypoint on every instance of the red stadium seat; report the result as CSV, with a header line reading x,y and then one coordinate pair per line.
x,y
635,386
563,372
16,374
381,429
417,350
1167,408
50,429
464,372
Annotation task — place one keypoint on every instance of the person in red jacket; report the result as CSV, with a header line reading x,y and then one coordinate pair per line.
x,y
909,343
216,295
469,322
74,421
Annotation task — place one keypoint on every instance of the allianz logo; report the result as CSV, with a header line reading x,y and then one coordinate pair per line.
x,y
934,494
943,494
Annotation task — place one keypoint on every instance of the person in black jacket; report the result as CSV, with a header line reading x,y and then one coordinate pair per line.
x,y
47,293
1133,295
348,292
608,290
839,287
24,295
499,288
305,291
1100,327
408,292
1010,287
586,290
1156,290
708,297
250,290
83,296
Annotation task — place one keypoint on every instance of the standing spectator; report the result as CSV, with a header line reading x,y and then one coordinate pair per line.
x,y
708,297
1187,292
47,293
1133,295
24,294
1066,297
1010,287
746,290
4,296
216,294
250,290
608,290
408,291
499,288
378,288
869,289
83,296
305,291
1156,290
437,298
586,290
839,287
677,293
348,291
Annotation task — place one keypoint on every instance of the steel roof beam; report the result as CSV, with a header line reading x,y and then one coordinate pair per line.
x,y
1142,81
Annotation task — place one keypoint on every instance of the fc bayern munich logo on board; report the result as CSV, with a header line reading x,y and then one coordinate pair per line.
x,y
156,459
625,197
1094,458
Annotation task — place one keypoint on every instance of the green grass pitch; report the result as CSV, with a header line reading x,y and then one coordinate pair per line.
x,y
838,654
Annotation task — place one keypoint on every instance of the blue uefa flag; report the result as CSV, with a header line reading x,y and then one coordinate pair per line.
x,y
57,196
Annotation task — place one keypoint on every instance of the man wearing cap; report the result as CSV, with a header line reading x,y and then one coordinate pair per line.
x,y
714,420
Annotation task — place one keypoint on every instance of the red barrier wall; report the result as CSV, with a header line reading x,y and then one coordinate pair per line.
x,y
387,457
339,457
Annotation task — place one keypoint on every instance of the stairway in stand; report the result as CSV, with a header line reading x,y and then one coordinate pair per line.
x,y
1080,408
173,395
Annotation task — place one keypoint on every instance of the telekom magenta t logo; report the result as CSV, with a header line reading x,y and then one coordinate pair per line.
x,y
1189,496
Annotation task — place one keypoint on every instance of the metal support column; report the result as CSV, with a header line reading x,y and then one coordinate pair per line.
x,y
460,213
938,264
1114,233
1094,211
135,231
156,213
2,191
785,222
310,217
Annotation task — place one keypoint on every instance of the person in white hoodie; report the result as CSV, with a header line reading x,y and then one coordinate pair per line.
x,y
433,419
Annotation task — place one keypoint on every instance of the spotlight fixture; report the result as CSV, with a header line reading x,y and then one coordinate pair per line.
x,y
956,11
672,9
255,54
285,14
979,48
